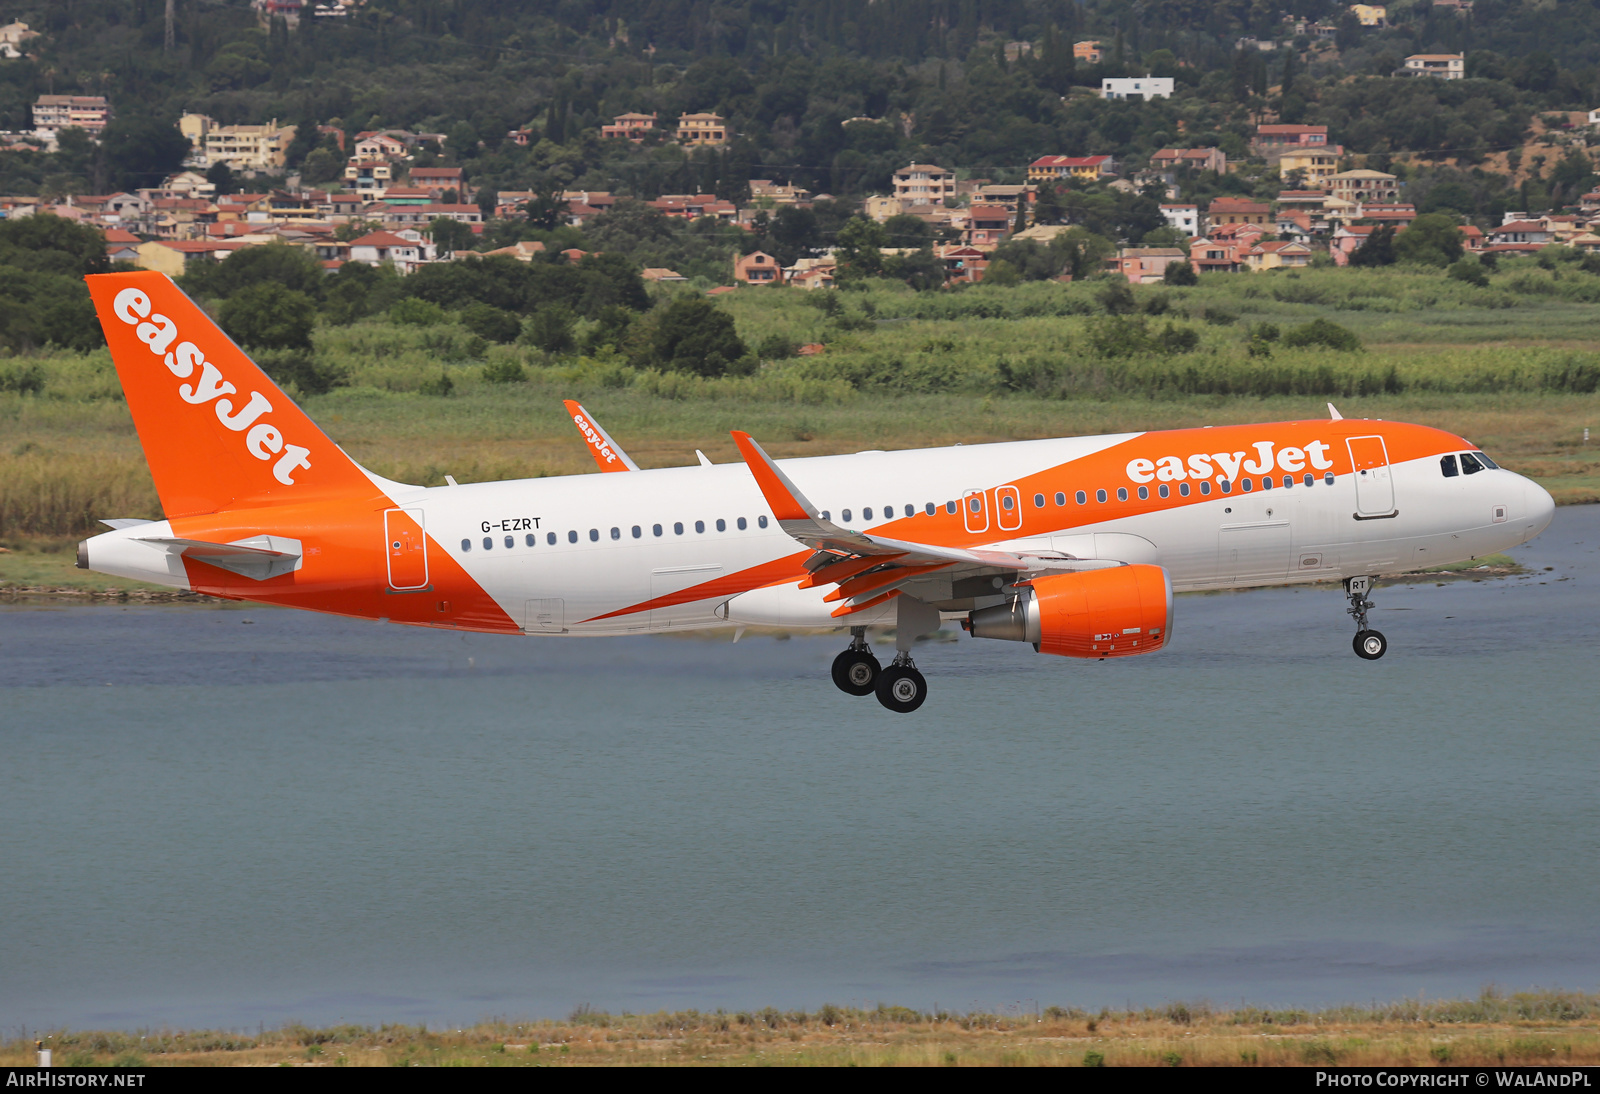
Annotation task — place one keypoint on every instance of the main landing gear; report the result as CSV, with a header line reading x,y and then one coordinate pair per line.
x,y
856,670
1368,643
900,687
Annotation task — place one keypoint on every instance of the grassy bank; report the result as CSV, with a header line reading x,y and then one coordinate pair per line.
x,y
1545,1028
1513,367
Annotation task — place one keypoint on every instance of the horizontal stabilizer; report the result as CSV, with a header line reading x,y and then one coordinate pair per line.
x,y
258,558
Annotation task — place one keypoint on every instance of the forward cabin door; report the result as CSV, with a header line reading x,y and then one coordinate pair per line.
x,y
406,547
1369,460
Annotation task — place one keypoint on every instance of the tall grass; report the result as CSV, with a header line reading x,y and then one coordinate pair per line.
x,y
45,493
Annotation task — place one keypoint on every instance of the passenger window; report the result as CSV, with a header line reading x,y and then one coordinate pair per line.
x,y
1100,496
616,533
1310,479
1162,490
825,515
550,538
761,522
975,503
1448,466
1327,477
866,514
1469,465
1227,487
700,526
950,507
594,535
1266,482
742,524
1183,489
1288,482
1038,501
930,509
722,525
845,514
655,529
466,545
1006,502
572,536
488,543
1246,485
1122,493
637,531
1061,499
1144,493
677,528
1082,498
911,510
1205,488
511,541
531,539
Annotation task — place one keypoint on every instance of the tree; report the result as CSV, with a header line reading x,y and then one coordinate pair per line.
x,y
142,152
1432,240
691,335
220,175
1181,273
275,263
859,248
269,316
546,211
1378,250
905,230
550,329
450,235
491,323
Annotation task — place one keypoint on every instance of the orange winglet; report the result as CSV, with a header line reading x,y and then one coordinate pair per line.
x,y
851,609
775,485
606,452
835,572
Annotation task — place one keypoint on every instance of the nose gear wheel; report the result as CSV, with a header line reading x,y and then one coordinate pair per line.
x,y
1368,643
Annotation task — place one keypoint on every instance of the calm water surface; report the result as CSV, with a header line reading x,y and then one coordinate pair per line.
x,y
229,816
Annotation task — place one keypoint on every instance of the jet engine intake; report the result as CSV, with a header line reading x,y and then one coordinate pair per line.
x,y
1094,613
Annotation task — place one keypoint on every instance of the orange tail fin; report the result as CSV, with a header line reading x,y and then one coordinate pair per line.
x,y
216,431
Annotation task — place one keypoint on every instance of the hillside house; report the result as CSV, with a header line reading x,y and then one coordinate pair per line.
x,y
1370,16
757,268
961,262
1311,166
1276,138
1237,211
629,127
1440,66
1136,87
1195,159
1277,255
1145,265
1364,186
924,184
1061,168
53,113
696,130
1185,218
407,252
1089,53
987,226
439,181
1214,256
249,147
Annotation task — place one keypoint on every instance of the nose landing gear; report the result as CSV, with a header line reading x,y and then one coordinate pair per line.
x,y
856,670
1368,643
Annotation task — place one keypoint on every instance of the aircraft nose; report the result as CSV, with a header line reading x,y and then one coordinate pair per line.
x,y
1539,505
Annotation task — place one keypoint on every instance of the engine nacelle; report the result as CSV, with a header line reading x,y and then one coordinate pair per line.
x,y
1095,613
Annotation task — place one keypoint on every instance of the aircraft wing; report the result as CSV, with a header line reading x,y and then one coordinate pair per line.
x,y
870,569
606,452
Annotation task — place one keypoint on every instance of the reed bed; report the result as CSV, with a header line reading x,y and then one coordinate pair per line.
x,y
1543,1028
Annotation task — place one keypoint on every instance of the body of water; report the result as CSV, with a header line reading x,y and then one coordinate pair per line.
x,y
219,817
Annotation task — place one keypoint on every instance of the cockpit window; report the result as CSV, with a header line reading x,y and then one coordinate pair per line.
x,y
1470,464
1486,461
1448,466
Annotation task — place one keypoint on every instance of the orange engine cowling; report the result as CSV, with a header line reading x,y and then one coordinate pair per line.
x,y
1116,612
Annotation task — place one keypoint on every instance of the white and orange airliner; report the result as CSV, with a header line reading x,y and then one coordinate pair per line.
x,y
1075,545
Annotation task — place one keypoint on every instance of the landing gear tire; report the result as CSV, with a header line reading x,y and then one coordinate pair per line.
x,y
856,672
1370,645
902,689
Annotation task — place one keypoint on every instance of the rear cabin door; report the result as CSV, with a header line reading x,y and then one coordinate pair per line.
x,y
1374,484
406,546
